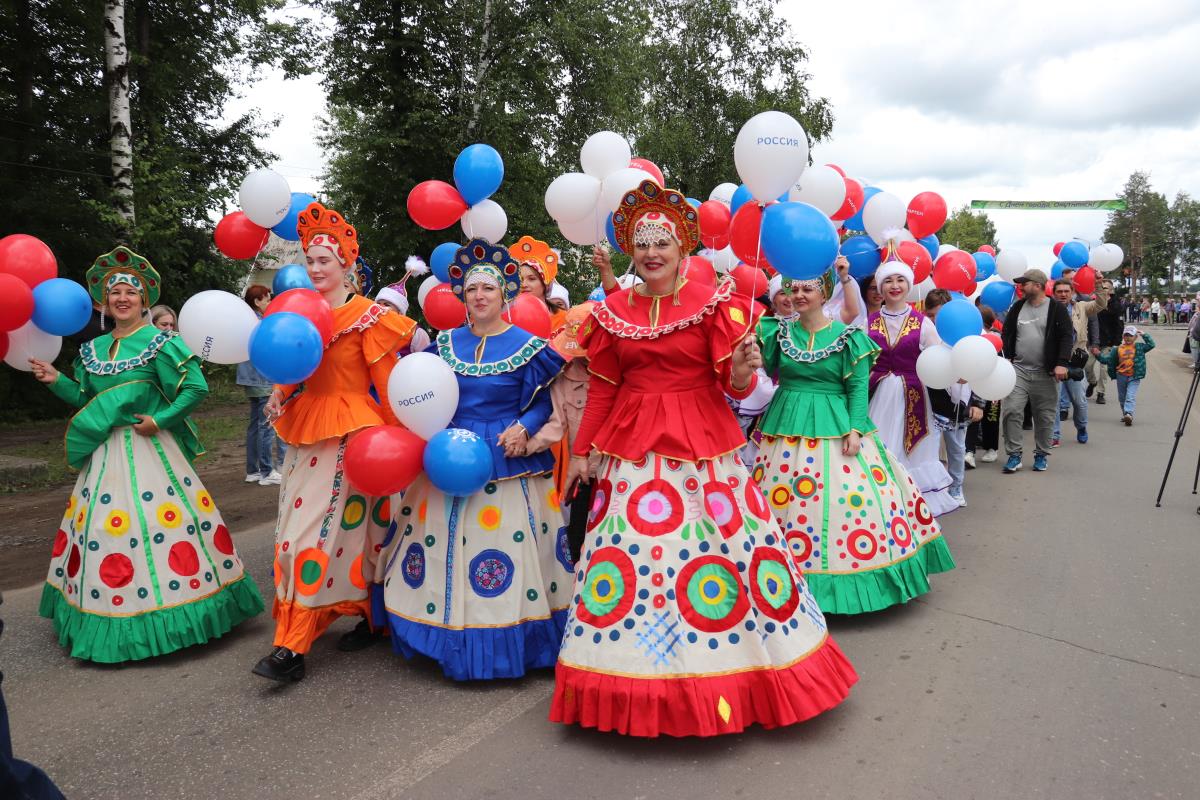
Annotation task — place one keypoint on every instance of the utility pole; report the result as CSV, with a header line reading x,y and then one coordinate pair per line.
x,y
1135,255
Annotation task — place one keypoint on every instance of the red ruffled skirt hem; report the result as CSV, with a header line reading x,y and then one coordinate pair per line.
x,y
704,705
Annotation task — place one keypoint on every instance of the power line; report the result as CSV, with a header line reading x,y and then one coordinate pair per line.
x,y
55,169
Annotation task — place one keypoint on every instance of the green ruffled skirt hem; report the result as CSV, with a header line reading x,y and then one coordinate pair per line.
x,y
877,589
111,640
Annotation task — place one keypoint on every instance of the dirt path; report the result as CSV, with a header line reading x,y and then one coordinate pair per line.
x,y
28,520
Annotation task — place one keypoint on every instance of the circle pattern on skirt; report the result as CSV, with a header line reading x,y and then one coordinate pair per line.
x,y
608,588
655,508
722,507
601,497
413,565
709,594
491,573
772,585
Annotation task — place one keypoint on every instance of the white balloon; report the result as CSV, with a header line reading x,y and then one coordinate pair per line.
x,y
588,231
943,249
935,367
618,183
723,193
485,219
999,384
917,293
1104,257
423,393
723,260
265,197
1011,264
974,358
883,217
425,288
770,154
572,197
821,186
604,153
30,341
217,325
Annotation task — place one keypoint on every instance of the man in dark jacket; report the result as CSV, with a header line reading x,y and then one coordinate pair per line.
x,y
1110,321
1037,336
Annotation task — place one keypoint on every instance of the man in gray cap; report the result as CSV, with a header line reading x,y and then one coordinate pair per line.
x,y
1037,337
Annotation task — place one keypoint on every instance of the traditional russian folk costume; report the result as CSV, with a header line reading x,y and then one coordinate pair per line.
x,y
481,583
142,563
689,616
856,526
328,536
541,258
900,405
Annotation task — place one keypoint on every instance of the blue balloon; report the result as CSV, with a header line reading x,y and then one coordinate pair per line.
x,y
478,171
863,255
931,244
740,198
798,240
985,266
598,294
286,227
694,202
1073,254
61,307
442,258
1056,271
458,461
957,319
291,276
611,232
998,296
285,347
855,223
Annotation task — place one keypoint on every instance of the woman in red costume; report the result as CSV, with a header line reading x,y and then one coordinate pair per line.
x,y
328,536
689,618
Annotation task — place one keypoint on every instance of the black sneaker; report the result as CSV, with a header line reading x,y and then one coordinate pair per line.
x,y
1091,388
281,665
360,638
1100,398
1064,415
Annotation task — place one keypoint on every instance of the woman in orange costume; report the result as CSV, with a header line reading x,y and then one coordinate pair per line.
x,y
539,268
328,536
689,617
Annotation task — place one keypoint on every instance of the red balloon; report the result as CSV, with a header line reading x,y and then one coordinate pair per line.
x,y
648,166
435,205
237,237
837,169
954,271
699,270
383,460
1084,280
749,281
529,314
926,214
987,248
714,223
442,308
917,258
853,202
28,258
1057,248
16,302
3,344
994,338
744,235
308,304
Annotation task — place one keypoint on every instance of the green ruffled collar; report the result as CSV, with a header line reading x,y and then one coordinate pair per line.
x,y
96,366
510,364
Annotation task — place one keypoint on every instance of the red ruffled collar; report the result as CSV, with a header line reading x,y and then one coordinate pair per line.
x,y
625,329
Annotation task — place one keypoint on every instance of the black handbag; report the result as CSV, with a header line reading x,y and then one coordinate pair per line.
x,y
1187,344
1079,359
581,504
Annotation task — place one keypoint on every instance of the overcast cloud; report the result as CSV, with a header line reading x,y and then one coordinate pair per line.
x,y
1032,99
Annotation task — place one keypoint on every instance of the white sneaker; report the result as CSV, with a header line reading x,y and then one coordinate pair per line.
x,y
988,456
961,499
969,460
271,480
253,477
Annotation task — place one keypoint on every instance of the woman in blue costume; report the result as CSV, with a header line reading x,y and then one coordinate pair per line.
x,y
481,584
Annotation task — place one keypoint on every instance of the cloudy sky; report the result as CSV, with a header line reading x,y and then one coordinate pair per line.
x,y
1020,99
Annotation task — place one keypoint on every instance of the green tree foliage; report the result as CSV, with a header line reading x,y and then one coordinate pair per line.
x,y
412,84
1143,229
968,230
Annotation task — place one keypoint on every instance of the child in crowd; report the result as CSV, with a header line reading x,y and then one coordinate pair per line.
x,y
953,410
1127,366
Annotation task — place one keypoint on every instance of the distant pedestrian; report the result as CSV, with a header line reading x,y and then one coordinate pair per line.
x,y
261,442
1127,366
1109,324
1155,311
164,318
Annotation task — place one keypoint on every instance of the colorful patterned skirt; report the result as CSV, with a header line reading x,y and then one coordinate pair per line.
x,y
326,544
857,527
690,618
142,564
479,584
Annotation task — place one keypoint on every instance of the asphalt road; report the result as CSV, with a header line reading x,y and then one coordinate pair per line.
x,y
1060,660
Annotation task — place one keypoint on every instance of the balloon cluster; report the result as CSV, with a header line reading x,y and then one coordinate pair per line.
x,y
268,205
582,203
478,172
967,354
37,308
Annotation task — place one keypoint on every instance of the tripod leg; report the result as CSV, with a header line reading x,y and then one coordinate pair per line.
x,y
1187,408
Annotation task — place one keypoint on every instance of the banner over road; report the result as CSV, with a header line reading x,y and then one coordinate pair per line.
x,y
1051,205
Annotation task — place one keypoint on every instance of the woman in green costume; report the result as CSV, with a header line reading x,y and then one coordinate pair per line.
x,y
142,564
853,519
